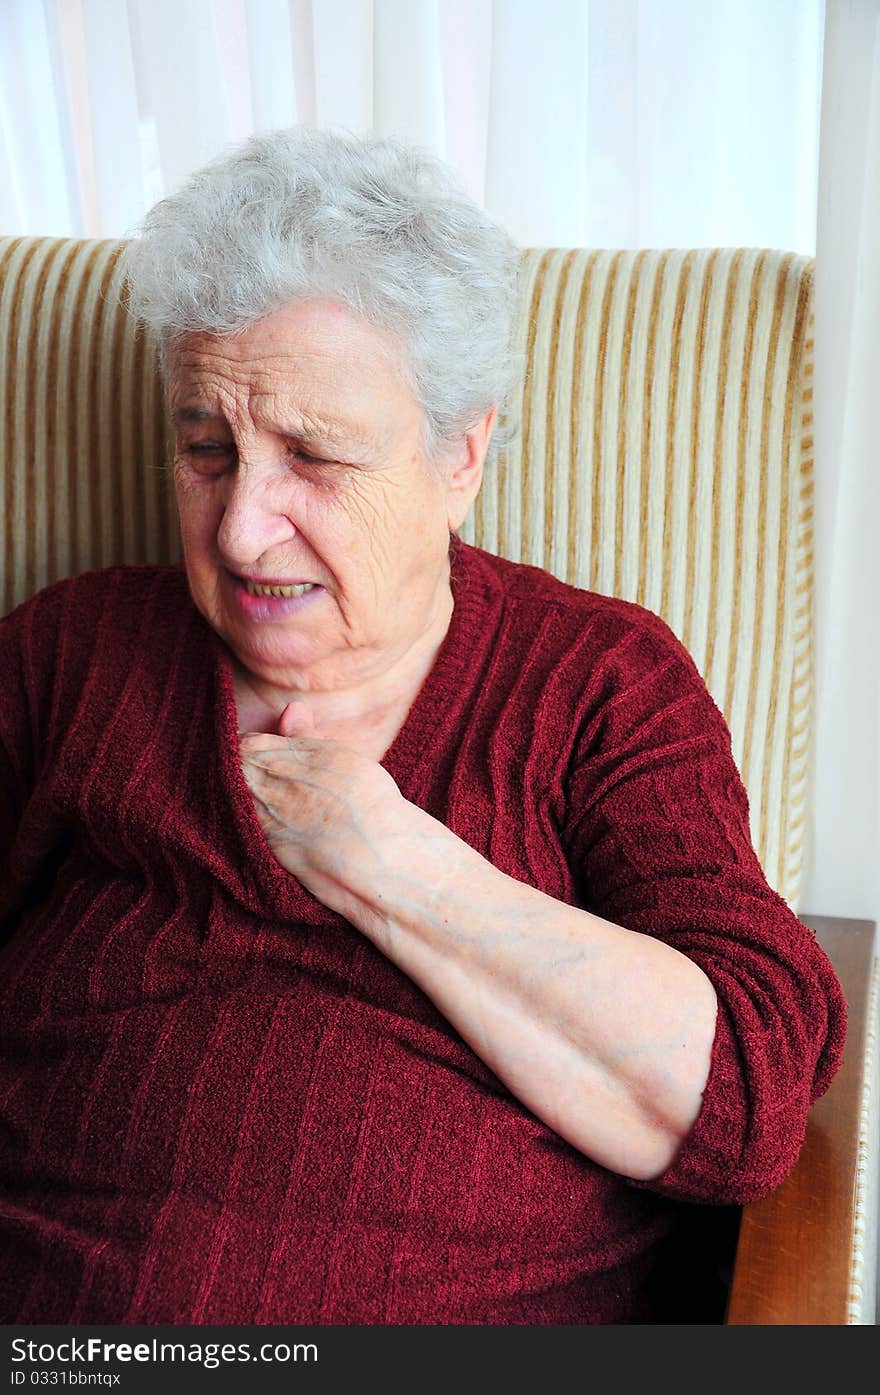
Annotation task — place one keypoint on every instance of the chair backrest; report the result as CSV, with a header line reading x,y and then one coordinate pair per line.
x,y
663,454
83,451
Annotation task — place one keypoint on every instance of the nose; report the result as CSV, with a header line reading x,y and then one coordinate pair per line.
x,y
256,514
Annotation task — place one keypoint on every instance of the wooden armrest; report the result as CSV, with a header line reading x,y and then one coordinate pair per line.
x,y
794,1256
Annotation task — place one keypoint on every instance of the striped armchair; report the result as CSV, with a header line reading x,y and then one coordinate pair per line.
x,y
662,452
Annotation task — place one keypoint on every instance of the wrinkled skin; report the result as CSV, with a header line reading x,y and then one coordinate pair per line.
x,y
308,467
331,816
299,457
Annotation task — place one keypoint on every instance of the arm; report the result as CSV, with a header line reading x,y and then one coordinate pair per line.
x,y
31,654
604,1034
659,822
17,756
603,1023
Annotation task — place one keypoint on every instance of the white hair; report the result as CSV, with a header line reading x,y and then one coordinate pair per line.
x,y
378,226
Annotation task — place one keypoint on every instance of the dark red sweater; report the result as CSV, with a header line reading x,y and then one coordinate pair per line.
x,y
221,1104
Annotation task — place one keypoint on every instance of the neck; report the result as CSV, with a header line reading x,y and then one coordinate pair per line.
x,y
365,715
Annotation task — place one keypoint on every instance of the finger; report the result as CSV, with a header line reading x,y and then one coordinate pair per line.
x,y
253,741
297,720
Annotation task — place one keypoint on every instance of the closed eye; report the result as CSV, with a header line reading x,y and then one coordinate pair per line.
x,y
216,453
208,458
302,454
318,469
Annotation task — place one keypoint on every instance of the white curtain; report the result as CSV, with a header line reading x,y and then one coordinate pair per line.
x,y
578,122
617,123
845,871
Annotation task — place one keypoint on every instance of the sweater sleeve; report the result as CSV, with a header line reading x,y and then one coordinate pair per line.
x,y
658,835
18,754
31,656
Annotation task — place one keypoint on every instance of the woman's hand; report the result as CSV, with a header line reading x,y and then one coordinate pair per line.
x,y
603,1033
329,814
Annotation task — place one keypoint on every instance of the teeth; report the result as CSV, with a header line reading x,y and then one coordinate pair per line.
x,y
298,588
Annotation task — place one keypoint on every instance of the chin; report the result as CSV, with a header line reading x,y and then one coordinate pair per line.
x,y
272,658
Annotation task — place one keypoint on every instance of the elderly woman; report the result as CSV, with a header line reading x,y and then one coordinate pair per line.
x,y
386,944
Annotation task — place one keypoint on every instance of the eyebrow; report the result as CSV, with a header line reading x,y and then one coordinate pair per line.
x,y
185,415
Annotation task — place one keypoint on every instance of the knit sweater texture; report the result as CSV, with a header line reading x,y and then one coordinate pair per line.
x,y
220,1103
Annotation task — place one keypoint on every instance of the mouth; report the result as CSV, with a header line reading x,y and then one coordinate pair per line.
x,y
277,588
272,600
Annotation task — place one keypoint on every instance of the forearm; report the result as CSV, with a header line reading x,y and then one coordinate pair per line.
x,y
602,1032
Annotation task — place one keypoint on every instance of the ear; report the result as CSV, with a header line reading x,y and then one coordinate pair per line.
x,y
463,468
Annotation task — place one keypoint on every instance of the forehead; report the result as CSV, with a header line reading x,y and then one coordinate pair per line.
x,y
312,353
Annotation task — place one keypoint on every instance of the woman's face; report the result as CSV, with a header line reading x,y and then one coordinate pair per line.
x,y
299,462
